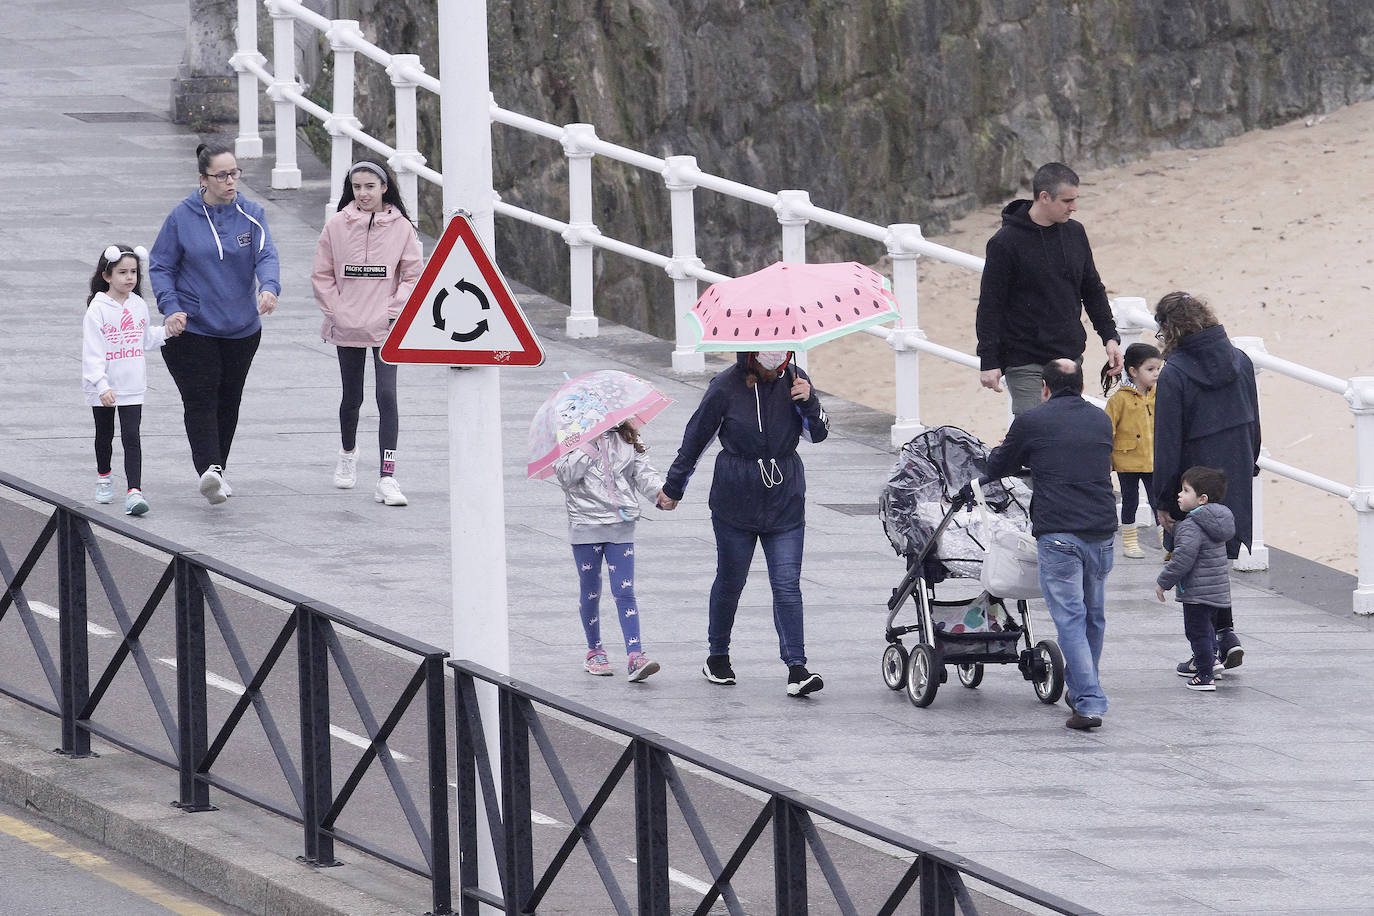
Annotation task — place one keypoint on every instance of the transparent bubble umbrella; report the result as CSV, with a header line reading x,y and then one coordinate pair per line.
x,y
584,408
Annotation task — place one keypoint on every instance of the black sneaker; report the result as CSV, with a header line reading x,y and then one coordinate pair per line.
x,y
800,682
1187,669
1229,649
1197,683
718,671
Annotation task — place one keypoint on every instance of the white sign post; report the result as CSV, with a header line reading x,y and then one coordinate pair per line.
x,y
477,517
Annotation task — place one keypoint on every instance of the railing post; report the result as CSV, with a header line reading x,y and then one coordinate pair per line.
x,y
1360,397
192,715
1256,558
679,176
581,321
341,144
248,144
515,803
791,210
436,724
403,70
789,859
286,173
651,829
935,888
72,635
1132,319
312,657
902,239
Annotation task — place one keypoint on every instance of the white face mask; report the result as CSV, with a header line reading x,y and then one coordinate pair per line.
x,y
771,359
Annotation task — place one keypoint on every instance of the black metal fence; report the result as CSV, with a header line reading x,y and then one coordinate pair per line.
x,y
649,765
192,751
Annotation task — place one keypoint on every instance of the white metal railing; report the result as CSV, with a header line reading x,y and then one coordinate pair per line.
x,y
681,176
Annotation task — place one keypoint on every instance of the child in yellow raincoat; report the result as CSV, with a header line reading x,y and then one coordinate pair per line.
x,y
1131,407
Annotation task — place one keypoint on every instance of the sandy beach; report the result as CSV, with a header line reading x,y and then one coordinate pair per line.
x,y
1273,229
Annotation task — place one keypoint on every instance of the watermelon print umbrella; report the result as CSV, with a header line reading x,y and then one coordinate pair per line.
x,y
792,307
584,408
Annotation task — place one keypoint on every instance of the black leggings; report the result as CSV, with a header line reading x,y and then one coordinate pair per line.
x,y
1130,493
130,416
352,365
210,372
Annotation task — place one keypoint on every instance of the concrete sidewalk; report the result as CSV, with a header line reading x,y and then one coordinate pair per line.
x,y
1278,764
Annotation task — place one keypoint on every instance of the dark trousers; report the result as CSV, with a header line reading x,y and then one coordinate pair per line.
x,y
1130,494
1200,626
130,416
352,365
734,552
210,372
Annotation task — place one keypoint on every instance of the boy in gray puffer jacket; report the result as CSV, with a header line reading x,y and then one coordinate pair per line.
x,y
1200,569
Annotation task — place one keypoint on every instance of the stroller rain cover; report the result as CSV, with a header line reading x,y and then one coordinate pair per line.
x,y
930,469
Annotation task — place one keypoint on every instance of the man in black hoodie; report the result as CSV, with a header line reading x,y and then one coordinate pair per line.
x,y
1038,277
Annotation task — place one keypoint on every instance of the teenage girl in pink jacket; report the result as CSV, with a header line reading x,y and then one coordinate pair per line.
x,y
366,265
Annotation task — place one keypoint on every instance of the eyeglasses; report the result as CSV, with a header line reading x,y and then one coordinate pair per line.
x,y
231,175
1159,335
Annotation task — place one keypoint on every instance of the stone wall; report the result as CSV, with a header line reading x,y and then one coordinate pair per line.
x,y
889,110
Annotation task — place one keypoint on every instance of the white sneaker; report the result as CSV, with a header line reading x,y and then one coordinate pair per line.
x,y
134,503
389,492
104,488
212,485
346,471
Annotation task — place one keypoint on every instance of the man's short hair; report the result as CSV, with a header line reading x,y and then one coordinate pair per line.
x,y
1209,482
1052,177
1057,378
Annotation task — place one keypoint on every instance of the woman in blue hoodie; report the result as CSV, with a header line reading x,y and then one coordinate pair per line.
x,y
214,260
759,407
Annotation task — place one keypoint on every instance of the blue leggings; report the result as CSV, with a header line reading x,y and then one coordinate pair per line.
x,y
620,567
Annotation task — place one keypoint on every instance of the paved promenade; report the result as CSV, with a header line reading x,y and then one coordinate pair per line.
x,y
1254,800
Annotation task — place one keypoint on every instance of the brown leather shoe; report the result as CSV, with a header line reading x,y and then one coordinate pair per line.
x,y
1083,723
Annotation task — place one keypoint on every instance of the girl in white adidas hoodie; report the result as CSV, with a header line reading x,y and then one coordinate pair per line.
x,y
114,375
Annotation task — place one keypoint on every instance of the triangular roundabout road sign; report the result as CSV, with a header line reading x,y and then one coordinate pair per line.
x,y
462,312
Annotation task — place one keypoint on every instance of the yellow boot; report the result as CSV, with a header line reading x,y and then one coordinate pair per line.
x,y
1130,543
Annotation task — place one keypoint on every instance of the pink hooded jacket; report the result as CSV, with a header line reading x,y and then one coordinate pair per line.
x,y
366,266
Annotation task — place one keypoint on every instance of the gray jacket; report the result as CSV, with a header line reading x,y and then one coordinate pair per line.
x,y
1199,565
604,488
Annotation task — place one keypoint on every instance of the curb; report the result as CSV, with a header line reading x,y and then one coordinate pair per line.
x,y
110,799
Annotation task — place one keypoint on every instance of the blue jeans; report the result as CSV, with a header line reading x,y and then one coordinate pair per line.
x,y
734,552
1073,576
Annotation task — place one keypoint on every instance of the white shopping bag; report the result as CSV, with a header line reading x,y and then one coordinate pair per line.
x,y
1011,566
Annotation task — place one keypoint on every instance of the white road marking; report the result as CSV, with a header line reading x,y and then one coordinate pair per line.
x,y
677,877
47,610
234,687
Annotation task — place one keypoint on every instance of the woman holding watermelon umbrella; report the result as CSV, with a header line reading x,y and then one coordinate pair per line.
x,y
760,408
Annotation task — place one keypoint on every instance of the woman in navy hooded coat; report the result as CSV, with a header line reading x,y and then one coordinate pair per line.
x,y
760,408
1206,413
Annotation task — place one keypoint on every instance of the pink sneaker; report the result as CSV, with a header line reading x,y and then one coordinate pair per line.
x,y
597,663
640,666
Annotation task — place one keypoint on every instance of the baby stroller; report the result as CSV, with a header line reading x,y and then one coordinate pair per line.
x,y
941,539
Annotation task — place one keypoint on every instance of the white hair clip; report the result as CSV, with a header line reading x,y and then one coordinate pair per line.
x,y
114,253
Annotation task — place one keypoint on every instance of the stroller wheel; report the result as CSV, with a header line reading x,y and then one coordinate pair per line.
x,y
894,666
1048,671
922,676
971,675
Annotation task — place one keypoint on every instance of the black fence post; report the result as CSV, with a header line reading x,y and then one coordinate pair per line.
x,y
789,859
436,723
192,713
515,802
937,891
317,785
468,874
73,649
651,829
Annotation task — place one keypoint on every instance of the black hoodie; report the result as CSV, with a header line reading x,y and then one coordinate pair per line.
x,y
1037,280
